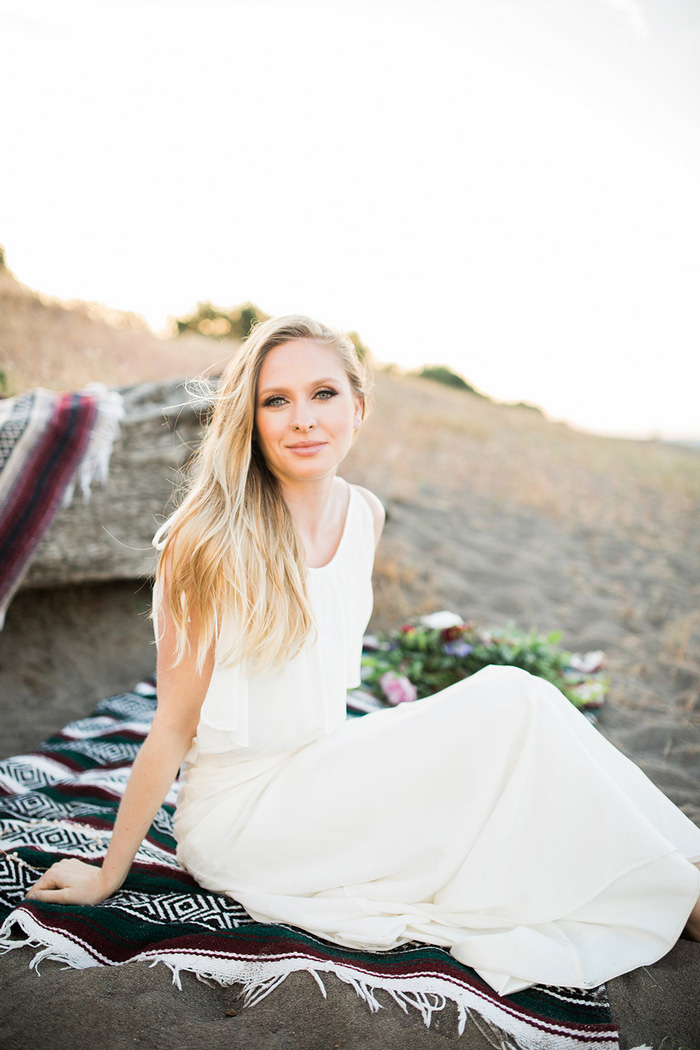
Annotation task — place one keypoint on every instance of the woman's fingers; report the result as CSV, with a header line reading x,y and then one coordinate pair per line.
x,y
69,882
55,876
62,895
51,879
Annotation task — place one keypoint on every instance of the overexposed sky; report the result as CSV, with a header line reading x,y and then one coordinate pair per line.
x,y
507,186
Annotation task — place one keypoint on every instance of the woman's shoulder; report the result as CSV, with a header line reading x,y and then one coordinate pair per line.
x,y
376,507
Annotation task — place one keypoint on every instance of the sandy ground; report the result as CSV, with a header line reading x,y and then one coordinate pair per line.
x,y
61,651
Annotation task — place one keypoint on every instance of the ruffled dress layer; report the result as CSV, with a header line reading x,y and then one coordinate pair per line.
x,y
491,819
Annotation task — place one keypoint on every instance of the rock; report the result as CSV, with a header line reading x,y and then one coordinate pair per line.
x,y
109,538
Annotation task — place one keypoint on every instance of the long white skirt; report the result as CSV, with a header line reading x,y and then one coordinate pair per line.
x,y
491,819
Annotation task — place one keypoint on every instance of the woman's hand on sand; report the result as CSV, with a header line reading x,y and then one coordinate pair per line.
x,y
71,882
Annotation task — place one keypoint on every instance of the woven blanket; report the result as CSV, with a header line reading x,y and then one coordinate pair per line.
x,y
47,442
61,801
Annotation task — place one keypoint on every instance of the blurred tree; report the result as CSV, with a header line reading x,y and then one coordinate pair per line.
x,y
209,320
363,351
524,404
445,375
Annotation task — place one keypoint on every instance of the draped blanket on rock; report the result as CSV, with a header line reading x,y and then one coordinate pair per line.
x,y
47,442
61,801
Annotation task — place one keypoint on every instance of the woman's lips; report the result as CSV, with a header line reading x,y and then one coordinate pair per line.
x,y
306,448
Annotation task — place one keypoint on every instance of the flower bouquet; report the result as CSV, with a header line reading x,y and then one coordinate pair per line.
x,y
428,654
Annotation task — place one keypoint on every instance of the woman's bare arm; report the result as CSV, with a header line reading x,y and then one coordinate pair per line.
x,y
181,692
378,512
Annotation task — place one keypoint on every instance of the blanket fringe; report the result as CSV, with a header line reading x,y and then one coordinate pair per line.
x,y
94,465
31,935
427,1003
500,1024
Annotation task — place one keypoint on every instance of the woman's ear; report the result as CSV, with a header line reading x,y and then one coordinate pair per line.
x,y
359,413
357,418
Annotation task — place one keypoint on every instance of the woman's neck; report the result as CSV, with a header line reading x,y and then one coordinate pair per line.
x,y
318,511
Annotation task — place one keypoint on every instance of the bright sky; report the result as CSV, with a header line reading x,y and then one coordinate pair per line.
x,y
511,188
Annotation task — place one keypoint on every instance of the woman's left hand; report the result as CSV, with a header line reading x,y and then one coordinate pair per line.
x,y
71,881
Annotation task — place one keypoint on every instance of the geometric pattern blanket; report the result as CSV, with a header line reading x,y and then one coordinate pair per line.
x,y
61,800
47,442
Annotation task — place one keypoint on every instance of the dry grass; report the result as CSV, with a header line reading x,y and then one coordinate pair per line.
x,y
65,346
604,529
432,437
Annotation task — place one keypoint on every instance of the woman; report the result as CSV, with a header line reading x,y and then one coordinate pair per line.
x,y
491,819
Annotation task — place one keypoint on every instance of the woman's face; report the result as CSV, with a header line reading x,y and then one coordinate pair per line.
x,y
306,412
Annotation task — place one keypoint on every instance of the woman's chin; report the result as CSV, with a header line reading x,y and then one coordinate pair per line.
x,y
310,469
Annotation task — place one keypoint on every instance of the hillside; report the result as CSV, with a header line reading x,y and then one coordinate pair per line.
x,y
64,346
502,515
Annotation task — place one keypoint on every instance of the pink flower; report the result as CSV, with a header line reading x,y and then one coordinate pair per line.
x,y
397,688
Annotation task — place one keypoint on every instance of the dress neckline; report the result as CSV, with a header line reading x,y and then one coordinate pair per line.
x,y
320,568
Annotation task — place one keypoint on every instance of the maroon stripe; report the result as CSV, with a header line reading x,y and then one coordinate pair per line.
x,y
80,791
74,765
68,432
57,428
46,472
66,762
135,736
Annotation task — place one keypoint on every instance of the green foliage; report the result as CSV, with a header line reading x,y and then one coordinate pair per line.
x,y
237,322
5,387
363,351
524,404
433,659
443,374
3,263
209,320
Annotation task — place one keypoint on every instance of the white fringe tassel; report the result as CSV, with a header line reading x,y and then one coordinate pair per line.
x,y
504,1028
94,465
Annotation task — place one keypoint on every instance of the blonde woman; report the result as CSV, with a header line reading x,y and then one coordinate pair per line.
x,y
491,818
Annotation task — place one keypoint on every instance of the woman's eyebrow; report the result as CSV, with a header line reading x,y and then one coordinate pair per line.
x,y
285,390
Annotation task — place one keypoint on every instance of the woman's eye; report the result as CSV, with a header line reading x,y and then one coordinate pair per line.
x,y
275,400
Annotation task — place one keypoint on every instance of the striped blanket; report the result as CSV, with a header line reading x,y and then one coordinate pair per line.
x,y
47,442
61,801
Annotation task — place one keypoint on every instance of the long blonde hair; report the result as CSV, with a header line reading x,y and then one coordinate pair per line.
x,y
231,547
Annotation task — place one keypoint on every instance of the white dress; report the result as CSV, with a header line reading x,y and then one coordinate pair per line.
x,y
491,819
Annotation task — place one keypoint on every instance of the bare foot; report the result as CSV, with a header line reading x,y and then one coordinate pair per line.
x,y
692,927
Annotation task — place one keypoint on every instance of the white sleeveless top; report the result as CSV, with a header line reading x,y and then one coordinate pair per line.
x,y
285,709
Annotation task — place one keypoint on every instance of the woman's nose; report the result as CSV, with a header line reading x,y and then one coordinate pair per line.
x,y
303,418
